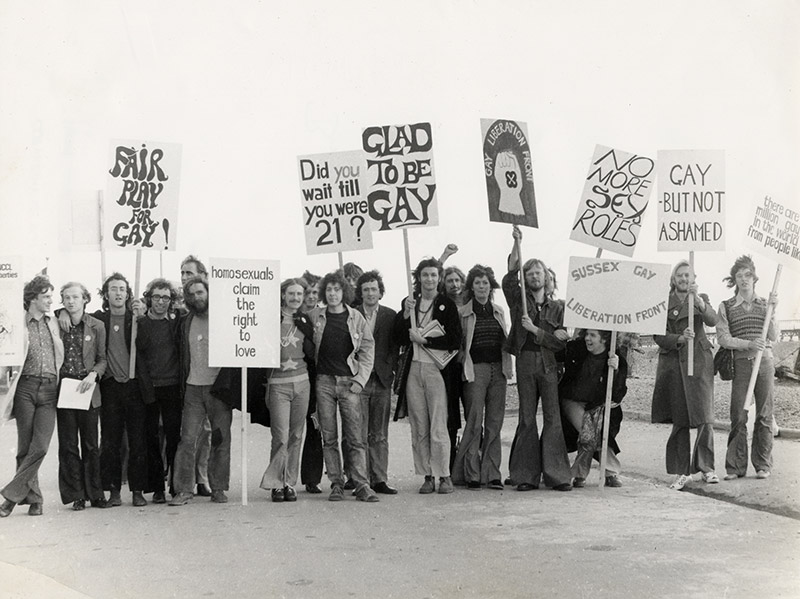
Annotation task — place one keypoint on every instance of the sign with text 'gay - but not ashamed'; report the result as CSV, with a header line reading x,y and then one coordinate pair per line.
x,y
617,295
244,313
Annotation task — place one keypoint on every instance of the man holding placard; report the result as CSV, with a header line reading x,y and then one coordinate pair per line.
x,y
84,361
741,321
34,392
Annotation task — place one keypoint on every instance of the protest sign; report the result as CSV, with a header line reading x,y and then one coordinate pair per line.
x,y
508,169
774,231
141,200
79,222
613,201
691,200
619,295
244,313
401,184
12,319
335,210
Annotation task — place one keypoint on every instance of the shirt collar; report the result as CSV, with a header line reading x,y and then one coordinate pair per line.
x,y
739,299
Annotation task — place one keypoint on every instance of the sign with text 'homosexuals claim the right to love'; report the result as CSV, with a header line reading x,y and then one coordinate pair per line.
x,y
244,313
617,295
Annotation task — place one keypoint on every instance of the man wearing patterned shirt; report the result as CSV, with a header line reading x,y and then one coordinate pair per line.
x,y
34,394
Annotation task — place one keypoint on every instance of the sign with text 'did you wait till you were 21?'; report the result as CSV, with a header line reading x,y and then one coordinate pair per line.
x,y
244,313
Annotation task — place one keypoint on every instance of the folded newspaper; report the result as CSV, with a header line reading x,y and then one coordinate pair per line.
x,y
440,357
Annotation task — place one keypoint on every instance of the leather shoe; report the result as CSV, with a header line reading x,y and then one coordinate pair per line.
x,y
563,487
99,503
114,499
509,482
278,495
527,487
138,499
289,494
79,505
35,509
350,485
203,491
313,488
613,481
496,484
385,489
6,508
474,485
158,497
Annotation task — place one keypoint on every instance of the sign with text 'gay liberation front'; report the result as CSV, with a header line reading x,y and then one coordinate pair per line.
x,y
508,169
12,320
614,198
141,196
617,295
335,210
244,313
691,200
400,178
774,231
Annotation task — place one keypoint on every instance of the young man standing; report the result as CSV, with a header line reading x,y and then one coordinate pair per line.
x,y
34,393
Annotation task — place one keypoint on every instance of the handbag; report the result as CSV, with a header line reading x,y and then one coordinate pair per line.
x,y
723,363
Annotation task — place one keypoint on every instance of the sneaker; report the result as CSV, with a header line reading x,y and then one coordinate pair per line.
x,y
680,482
365,493
181,499
579,483
763,474
710,477
730,476
429,486
219,497
337,493
613,481
446,485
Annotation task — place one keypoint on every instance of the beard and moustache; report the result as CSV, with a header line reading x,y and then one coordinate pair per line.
x,y
198,306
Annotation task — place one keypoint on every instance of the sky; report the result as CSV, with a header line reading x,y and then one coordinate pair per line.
x,y
246,87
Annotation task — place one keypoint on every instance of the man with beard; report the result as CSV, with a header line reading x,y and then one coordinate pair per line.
x,y
199,403
534,339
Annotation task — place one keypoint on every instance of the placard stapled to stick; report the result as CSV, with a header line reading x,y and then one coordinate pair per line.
x,y
508,169
244,313
141,199
400,177
335,209
12,319
615,196
619,295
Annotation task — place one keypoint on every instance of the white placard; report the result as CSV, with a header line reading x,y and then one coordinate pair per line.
x,y
774,231
69,398
12,315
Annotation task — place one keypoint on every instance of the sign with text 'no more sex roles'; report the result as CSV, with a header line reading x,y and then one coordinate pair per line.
x,y
335,210
617,295
691,200
614,198
141,198
12,319
400,179
244,313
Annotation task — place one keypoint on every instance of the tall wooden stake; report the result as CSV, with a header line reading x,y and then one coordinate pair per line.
x,y
245,422
409,276
134,324
764,330
612,350
690,347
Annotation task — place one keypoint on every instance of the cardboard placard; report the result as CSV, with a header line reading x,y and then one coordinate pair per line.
x,y
335,210
615,196
12,314
691,200
619,295
774,231
401,183
141,199
244,313
508,169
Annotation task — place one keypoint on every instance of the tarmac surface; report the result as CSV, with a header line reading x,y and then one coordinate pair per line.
x,y
733,539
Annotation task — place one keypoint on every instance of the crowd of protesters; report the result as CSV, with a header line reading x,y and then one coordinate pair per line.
x,y
446,354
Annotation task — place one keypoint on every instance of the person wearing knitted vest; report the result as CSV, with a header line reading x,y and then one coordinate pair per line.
x,y
741,320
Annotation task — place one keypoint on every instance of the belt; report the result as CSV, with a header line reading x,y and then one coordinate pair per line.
x,y
44,379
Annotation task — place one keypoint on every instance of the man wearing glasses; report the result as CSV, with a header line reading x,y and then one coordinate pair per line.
x,y
158,371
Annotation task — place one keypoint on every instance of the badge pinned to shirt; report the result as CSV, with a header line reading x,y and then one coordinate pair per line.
x,y
674,312
116,328
87,338
199,337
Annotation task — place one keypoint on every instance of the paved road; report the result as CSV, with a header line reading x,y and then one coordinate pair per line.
x,y
640,540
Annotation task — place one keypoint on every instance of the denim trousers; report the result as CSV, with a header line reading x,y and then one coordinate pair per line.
x,y
376,405
427,415
529,460
122,410
166,409
480,451
288,404
761,452
79,455
333,391
35,412
199,405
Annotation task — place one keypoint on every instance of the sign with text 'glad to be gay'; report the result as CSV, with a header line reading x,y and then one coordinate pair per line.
x,y
617,295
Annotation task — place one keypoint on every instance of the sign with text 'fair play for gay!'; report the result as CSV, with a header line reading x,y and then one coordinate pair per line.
x,y
614,198
617,295
335,210
691,200
12,320
141,197
244,313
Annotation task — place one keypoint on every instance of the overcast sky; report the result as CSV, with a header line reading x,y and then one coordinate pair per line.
x,y
248,86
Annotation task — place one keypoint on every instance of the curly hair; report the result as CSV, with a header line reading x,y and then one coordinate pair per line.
x,y
39,284
336,278
115,276
742,262
427,263
477,271
368,277
159,283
